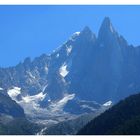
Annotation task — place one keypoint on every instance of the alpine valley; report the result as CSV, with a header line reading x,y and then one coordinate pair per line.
x,y
61,92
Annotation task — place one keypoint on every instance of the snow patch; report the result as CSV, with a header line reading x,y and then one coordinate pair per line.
x,y
43,89
1,88
14,92
63,70
69,49
107,103
46,69
42,131
54,110
31,75
31,105
58,106
88,107
35,98
57,55
49,100
74,35
77,33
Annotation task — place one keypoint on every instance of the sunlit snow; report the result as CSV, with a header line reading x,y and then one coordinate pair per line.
x,y
37,97
49,100
76,33
14,92
57,55
43,89
107,103
58,106
31,103
88,107
31,75
46,69
63,70
33,108
69,49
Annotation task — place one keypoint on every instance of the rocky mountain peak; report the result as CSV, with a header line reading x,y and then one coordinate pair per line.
x,y
107,31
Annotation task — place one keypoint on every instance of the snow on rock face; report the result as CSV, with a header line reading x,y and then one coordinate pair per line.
x,y
69,49
74,36
32,108
14,92
43,89
63,70
36,98
88,107
76,33
46,69
57,55
58,106
107,103
31,75
1,88
31,105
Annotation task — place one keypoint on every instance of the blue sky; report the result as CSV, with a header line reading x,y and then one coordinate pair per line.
x,y
33,30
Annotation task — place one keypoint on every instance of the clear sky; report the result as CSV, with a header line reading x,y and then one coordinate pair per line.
x,y
33,30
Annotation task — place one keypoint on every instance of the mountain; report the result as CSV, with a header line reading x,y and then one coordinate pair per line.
x,y
79,77
122,119
17,126
10,107
12,118
71,127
